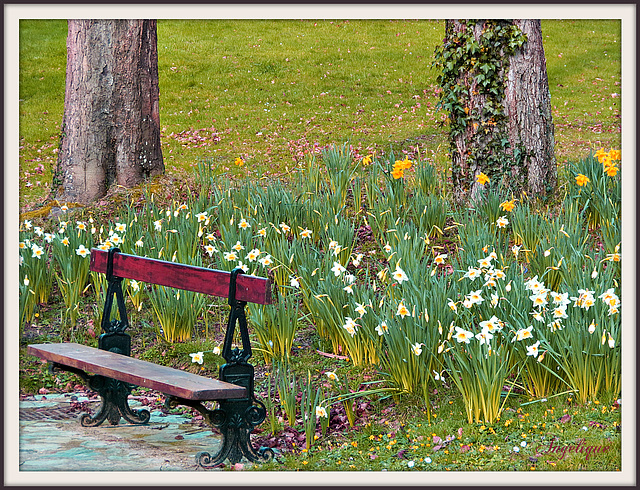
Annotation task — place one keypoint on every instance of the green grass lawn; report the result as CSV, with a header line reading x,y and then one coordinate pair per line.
x,y
270,91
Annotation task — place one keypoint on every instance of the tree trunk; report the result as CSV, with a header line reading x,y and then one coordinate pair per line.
x,y
496,93
111,123
528,110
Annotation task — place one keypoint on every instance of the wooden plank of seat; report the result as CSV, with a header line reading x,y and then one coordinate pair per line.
x,y
137,372
188,277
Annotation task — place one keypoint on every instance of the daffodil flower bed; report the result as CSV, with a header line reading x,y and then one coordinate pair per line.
x,y
503,296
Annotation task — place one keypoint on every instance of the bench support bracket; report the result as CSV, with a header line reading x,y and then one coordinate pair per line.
x,y
234,418
114,395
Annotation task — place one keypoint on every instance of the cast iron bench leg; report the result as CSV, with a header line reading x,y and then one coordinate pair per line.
x,y
235,419
114,395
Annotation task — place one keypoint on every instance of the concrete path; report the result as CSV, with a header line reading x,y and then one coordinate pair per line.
x,y
52,439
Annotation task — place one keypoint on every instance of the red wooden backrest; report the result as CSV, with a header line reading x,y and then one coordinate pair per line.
x,y
181,276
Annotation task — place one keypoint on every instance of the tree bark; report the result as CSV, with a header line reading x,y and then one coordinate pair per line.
x,y
111,123
528,110
498,100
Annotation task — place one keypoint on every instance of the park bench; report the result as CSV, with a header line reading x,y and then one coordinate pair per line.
x,y
114,372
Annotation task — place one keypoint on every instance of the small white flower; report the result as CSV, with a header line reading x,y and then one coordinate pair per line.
x,y
523,443
216,350
411,464
427,460
294,282
516,449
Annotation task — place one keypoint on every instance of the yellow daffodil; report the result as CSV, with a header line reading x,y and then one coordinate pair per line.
x,y
397,173
482,179
582,180
508,205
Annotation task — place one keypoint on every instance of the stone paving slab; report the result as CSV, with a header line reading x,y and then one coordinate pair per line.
x,y
166,443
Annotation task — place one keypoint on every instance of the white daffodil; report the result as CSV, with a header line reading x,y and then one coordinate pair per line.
x,y
337,269
502,222
524,333
230,256
36,251
253,255
532,350
463,336
399,275
197,357
416,349
402,310
82,251
350,326
321,412
382,328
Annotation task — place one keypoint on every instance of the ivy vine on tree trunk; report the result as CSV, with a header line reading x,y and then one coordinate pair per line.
x,y
474,66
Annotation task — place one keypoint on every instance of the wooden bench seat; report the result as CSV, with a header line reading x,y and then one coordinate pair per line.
x,y
137,372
